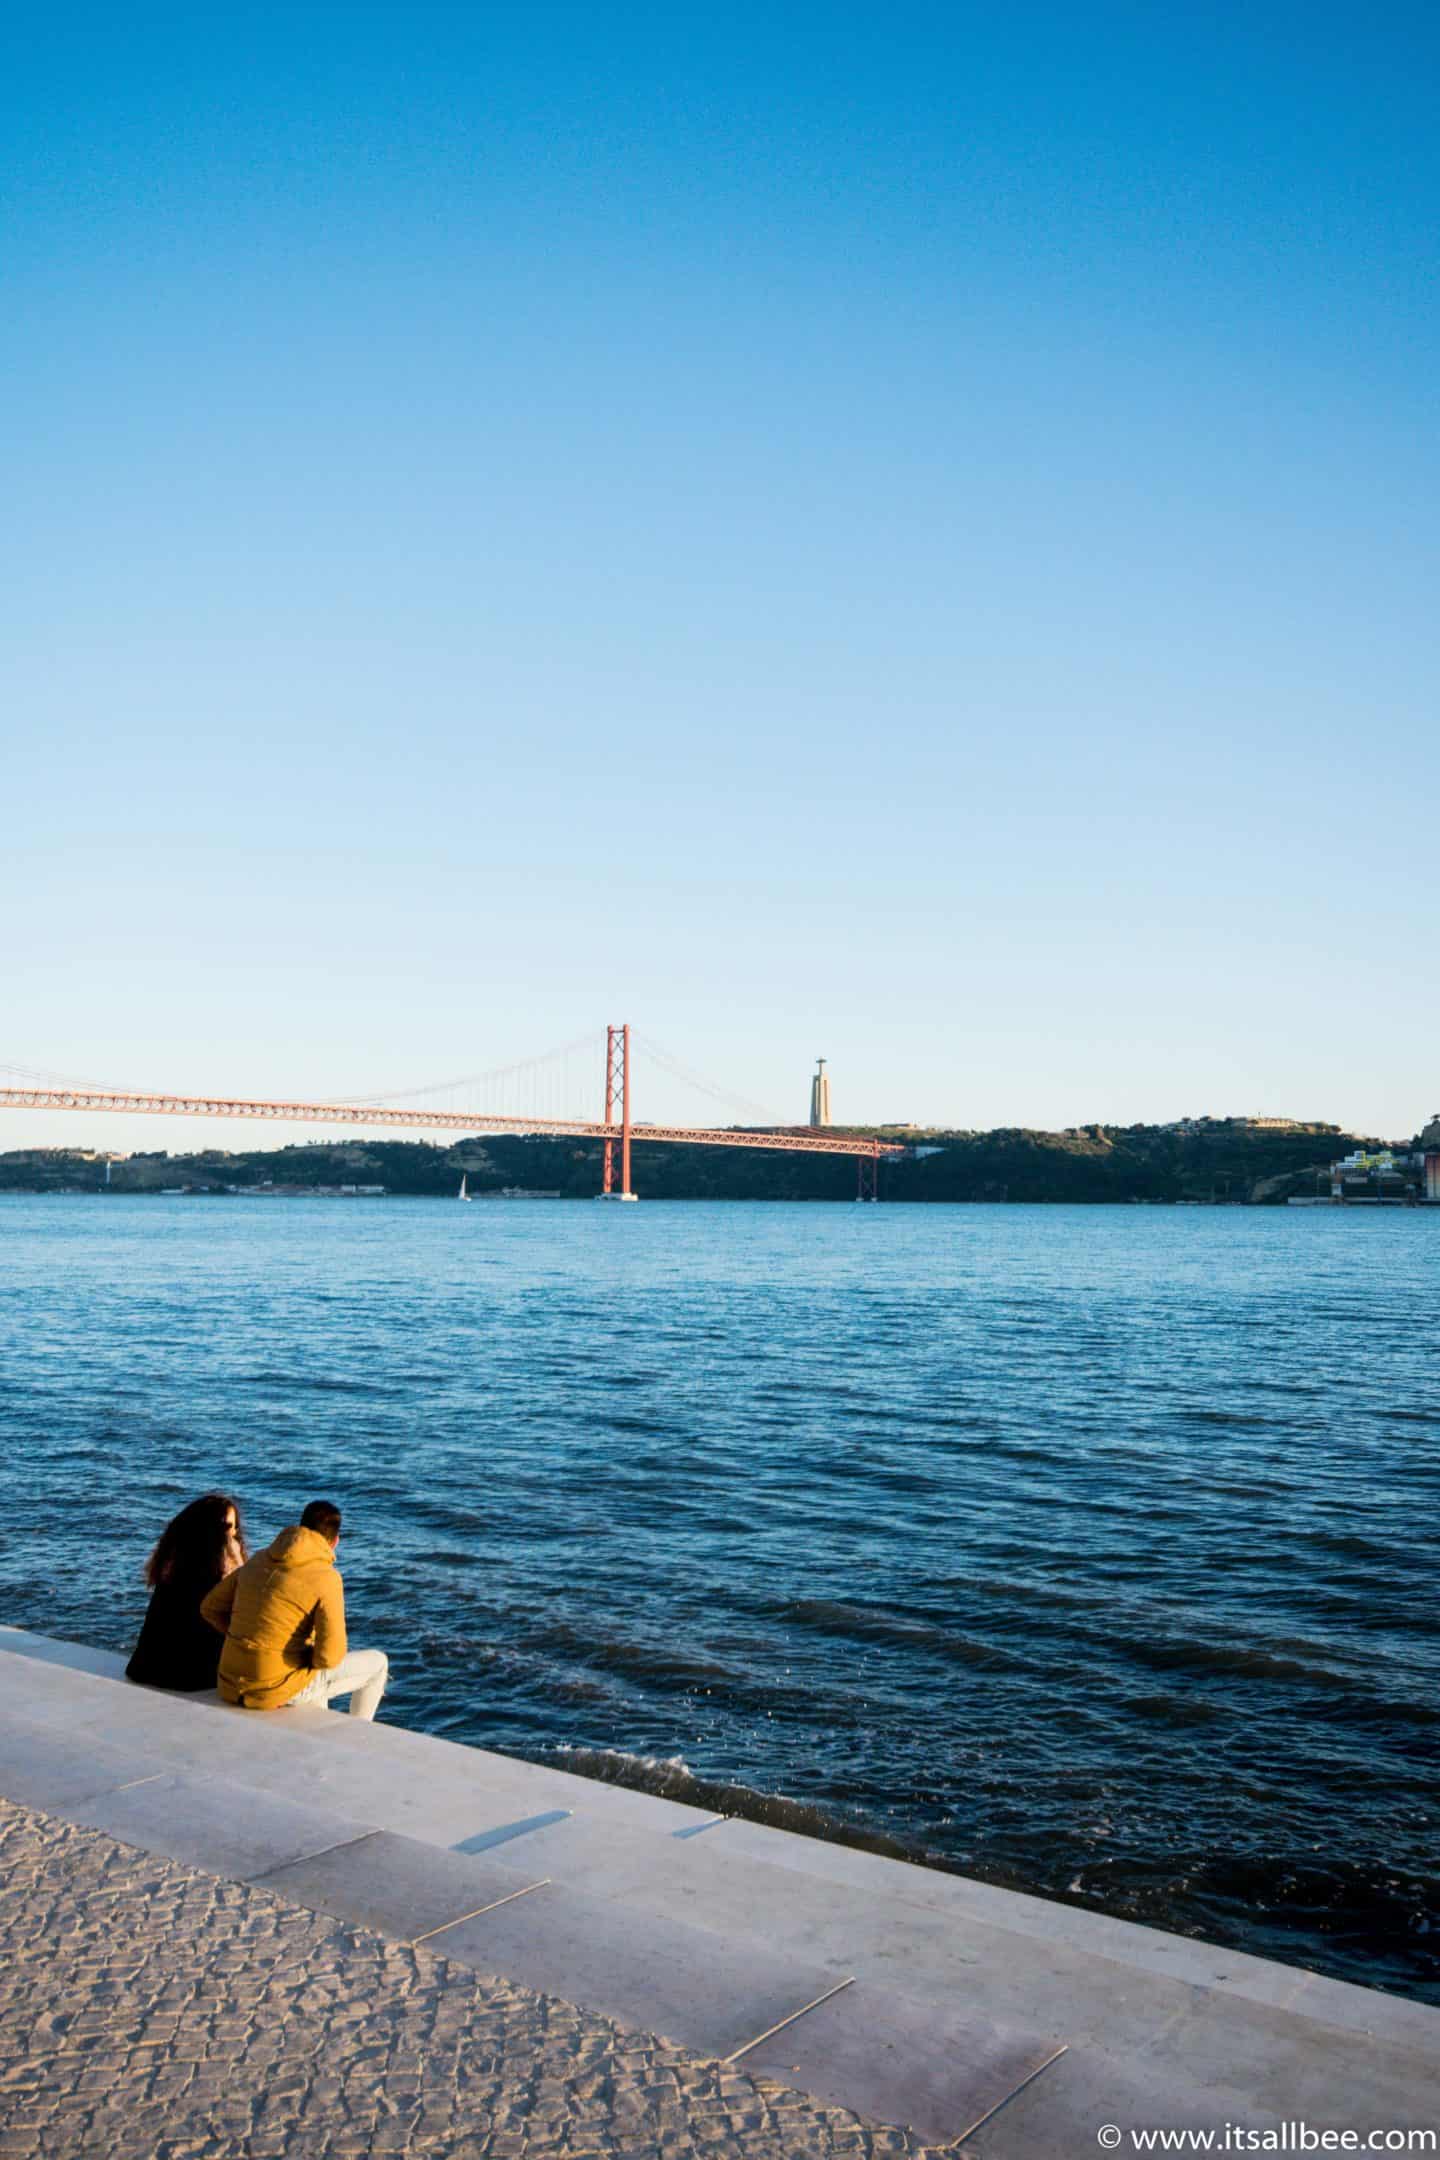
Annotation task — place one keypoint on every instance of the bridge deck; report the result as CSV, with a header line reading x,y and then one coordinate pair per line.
x,y
121,1103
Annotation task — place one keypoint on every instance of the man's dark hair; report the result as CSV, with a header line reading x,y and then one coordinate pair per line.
x,y
324,1516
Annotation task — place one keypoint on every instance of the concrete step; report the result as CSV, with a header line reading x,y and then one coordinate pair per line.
x,y
1184,1958
412,1783
49,1767
904,1937
51,1650
399,1886
213,1824
747,1998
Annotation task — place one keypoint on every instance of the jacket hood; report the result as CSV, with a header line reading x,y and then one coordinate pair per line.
x,y
300,1548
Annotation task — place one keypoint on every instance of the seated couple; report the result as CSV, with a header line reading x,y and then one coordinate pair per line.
x,y
281,1614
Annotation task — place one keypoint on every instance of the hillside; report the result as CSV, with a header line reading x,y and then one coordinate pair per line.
x,y
1219,1161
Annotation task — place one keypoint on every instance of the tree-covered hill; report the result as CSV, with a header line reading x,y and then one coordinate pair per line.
x,y
1209,1160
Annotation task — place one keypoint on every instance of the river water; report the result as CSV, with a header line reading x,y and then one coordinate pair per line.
x,y
1090,1550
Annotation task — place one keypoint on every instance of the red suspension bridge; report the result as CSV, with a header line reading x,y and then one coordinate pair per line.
x,y
616,1128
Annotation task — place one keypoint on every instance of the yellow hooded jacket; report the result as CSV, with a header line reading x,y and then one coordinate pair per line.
x,y
283,1618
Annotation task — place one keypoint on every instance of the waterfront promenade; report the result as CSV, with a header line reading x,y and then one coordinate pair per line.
x,y
305,1935
151,2010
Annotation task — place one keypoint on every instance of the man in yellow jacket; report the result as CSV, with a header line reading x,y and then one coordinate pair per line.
x,y
283,1618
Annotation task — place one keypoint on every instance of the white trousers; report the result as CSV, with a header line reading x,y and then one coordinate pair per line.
x,y
361,1674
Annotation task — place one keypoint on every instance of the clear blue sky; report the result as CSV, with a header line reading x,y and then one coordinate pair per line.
x,y
907,534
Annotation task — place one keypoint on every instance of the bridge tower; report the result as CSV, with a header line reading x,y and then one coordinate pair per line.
x,y
617,1092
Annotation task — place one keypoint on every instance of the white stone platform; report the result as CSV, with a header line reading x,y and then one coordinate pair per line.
x,y
909,1996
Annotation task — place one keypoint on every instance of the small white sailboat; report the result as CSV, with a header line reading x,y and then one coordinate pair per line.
x,y
464,1192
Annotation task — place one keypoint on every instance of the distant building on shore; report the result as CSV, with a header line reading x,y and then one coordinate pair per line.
x,y
1373,1174
820,1095
1430,1158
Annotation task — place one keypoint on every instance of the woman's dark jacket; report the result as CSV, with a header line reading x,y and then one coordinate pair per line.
x,y
177,1649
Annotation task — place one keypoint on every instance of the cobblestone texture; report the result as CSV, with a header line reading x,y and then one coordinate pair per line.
x,y
148,2012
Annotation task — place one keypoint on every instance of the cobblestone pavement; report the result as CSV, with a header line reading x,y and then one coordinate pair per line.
x,y
148,2012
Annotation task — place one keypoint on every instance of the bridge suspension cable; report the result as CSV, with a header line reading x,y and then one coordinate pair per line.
x,y
38,1076
750,1113
552,1072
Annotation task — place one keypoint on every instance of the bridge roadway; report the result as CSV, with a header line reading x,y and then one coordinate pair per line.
x,y
132,1104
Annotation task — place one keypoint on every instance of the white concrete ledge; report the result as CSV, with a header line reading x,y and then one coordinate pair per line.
x,y
972,2009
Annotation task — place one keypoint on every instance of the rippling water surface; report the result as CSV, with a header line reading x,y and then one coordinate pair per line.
x,y
1091,1550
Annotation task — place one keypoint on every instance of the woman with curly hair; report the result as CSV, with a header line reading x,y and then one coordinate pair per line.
x,y
204,1544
